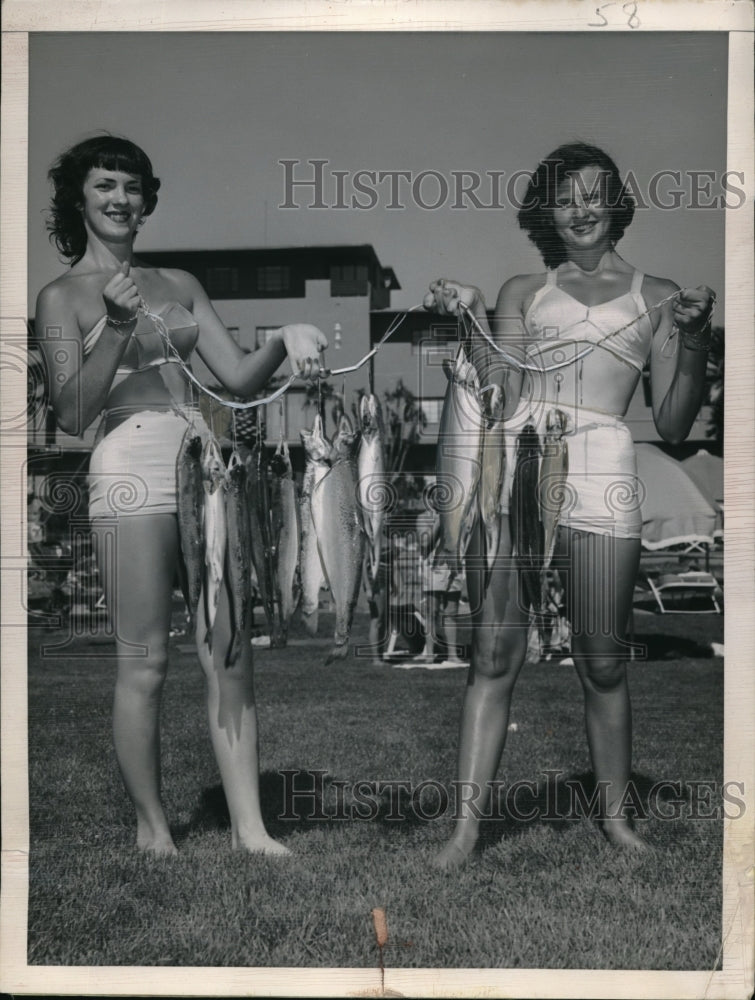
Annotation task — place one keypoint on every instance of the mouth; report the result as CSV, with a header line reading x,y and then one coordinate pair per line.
x,y
583,228
122,217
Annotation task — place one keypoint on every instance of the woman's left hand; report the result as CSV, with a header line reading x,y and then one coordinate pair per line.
x,y
304,344
693,308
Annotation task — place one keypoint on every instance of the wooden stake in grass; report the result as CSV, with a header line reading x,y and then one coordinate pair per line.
x,y
380,924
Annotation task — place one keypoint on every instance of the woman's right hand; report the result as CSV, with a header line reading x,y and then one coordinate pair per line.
x,y
121,296
304,344
445,296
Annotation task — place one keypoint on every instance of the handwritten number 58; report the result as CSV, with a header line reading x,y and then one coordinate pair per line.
x,y
630,9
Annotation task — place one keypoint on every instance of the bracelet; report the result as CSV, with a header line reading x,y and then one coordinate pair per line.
x,y
699,341
118,323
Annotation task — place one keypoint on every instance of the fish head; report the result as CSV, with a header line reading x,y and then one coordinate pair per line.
x,y
213,467
371,415
342,445
316,445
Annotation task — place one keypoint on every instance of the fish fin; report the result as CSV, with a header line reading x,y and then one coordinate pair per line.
x,y
208,637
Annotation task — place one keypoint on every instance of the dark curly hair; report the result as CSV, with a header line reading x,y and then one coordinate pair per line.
x,y
535,216
70,170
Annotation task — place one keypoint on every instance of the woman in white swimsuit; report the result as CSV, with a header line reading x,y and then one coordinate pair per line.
x,y
580,335
104,189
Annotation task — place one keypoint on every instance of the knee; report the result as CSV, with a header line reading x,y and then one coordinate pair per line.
x,y
499,652
147,671
605,673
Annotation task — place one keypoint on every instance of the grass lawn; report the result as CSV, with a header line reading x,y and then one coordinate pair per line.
x,y
541,894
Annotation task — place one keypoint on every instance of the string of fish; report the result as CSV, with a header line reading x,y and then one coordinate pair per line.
x,y
171,352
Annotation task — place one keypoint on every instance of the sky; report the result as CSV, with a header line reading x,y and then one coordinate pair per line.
x,y
217,112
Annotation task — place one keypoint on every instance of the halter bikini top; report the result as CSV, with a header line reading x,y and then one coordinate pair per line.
x,y
619,326
147,348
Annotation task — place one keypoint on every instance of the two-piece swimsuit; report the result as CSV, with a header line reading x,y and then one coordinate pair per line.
x,y
132,469
603,494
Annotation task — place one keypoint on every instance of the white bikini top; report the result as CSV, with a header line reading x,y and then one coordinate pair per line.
x,y
557,319
146,347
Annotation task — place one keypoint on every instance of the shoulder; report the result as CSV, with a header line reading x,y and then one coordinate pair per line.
x,y
517,292
654,289
183,286
57,292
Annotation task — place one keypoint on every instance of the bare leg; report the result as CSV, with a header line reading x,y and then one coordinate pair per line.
x,y
499,645
232,715
136,564
601,576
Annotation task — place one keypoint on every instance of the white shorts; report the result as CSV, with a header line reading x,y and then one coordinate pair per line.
x,y
132,470
603,494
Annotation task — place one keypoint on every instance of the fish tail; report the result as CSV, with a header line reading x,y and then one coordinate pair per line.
x,y
338,652
310,621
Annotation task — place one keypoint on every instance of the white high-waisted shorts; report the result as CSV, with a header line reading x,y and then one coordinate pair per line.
x,y
603,494
132,470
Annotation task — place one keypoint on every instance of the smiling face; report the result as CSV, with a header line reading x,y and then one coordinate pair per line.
x,y
112,204
582,217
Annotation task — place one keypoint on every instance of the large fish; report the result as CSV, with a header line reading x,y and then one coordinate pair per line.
x,y
239,552
372,483
213,473
259,532
311,572
458,461
191,517
286,534
492,465
340,536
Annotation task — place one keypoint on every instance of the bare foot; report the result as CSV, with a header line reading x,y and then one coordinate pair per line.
x,y
260,844
160,847
456,853
619,833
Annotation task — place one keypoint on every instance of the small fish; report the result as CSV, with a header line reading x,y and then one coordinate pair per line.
x,y
526,526
239,552
215,529
373,488
458,462
492,465
259,531
554,470
191,517
286,534
312,574
344,440
340,538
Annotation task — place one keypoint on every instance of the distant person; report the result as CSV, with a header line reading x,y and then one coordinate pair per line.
x,y
104,191
577,338
442,589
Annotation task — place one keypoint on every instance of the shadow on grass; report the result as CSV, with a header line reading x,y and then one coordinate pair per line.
x,y
565,799
671,647
558,801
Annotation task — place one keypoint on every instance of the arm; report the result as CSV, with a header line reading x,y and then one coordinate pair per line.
x,y
79,386
244,374
678,360
508,331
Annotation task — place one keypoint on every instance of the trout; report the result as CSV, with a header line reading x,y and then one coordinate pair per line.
x,y
213,473
340,536
492,465
342,445
259,533
239,553
286,532
372,484
458,461
554,469
191,518
317,449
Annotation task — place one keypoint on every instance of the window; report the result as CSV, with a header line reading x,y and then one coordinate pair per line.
x,y
234,332
274,278
263,335
222,281
436,340
348,279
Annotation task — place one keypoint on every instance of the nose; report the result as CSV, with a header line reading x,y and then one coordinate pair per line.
x,y
119,196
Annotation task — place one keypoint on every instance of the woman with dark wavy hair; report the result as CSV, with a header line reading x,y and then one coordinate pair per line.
x,y
563,361
116,311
